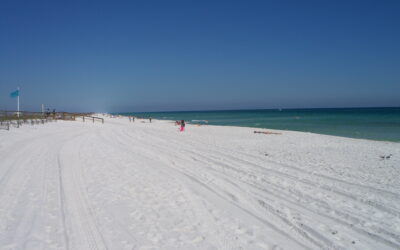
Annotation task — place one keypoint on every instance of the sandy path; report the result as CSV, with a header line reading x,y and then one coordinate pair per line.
x,y
121,185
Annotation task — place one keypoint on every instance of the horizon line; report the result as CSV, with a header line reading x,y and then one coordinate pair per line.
x,y
216,110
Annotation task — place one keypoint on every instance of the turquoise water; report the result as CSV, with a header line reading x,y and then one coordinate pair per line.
x,y
368,123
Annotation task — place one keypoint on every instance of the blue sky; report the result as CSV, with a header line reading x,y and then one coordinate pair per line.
x,y
199,55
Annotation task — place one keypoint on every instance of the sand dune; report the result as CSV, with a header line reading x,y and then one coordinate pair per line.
x,y
123,185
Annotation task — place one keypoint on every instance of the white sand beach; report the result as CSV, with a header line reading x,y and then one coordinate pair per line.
x,y
123,185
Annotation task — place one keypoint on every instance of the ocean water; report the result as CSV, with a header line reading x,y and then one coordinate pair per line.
x,y
367,123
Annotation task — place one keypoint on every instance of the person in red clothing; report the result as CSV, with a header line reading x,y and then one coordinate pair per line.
x,y
182,126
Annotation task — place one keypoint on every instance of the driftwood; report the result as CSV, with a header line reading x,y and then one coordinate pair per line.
x,y
266,132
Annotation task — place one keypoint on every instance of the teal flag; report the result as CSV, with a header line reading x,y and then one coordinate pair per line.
x,y
14,94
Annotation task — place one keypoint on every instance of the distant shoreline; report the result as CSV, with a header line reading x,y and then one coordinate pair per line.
x,y
379,124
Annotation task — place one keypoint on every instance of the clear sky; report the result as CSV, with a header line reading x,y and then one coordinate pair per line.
x,y
199,55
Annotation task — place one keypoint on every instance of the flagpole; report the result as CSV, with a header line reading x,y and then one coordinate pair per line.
x,y
18,103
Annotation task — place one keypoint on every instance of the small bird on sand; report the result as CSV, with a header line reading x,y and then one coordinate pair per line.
x,y
383,157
